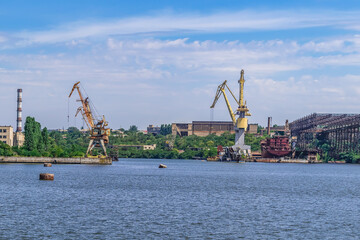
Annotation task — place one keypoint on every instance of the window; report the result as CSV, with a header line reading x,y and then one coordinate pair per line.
x,y
4,141
4,130
0,130
4,136
0,136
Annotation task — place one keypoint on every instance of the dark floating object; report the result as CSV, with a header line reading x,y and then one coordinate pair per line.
x,y
46,176
162,166
47,164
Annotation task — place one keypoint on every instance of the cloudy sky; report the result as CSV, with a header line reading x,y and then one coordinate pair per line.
x,y
154,62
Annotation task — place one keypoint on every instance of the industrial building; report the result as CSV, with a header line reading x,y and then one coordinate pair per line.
x,y
252,128
7,135
151,129
205,128
138,147
341,131
275,130
202,128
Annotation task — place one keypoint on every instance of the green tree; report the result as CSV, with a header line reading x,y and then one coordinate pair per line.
x,y
33,138
133,128
210,143
5,150
165,129
45,138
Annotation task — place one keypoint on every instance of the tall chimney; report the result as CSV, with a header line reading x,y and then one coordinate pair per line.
x,y
19,110
268,127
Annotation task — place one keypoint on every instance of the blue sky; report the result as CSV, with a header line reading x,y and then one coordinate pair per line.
x,y
154,62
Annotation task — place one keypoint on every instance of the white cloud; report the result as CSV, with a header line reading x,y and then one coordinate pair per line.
x,y
2,39
236,21
175,80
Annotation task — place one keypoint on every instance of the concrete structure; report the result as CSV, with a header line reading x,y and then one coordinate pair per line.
x,y
19,110
181,129
7,135
149,147
151,129
205,128
139,147
117,133
42,160
202,128
19,139
252,128
278,130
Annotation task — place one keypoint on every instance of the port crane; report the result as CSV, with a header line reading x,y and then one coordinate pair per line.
x,y
99,134
241,123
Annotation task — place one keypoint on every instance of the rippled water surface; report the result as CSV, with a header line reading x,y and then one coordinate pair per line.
x,y
134,199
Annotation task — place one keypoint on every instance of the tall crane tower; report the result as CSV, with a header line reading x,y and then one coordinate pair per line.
x,y
99,134
241,123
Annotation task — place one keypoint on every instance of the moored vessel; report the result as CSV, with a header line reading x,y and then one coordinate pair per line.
x,y
278,146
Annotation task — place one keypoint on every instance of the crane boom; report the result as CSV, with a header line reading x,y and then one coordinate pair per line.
x,y
221,91
85,110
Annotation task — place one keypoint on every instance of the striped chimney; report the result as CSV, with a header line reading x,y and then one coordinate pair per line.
x,y
19,110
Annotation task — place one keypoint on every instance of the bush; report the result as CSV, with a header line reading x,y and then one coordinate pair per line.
x,y
5,150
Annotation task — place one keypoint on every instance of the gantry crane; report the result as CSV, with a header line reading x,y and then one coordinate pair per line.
x,y
240,124
99,134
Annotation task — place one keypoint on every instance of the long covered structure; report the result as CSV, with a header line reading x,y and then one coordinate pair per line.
x,y
340,131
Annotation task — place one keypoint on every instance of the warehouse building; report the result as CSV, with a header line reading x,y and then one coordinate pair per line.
x,y
205,128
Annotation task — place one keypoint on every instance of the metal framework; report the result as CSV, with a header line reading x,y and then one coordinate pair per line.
x,y
341,131
99,134
344,136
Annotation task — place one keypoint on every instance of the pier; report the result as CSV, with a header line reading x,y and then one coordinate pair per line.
x,y
97,161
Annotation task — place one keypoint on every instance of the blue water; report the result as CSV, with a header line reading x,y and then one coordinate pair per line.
x,y
134,199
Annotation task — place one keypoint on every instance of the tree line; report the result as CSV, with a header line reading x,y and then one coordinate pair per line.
x,y
40,142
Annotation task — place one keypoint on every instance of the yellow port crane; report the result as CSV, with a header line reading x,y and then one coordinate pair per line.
x,y
242,111
99,134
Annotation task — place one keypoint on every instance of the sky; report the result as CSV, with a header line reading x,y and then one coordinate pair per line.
x,y
159,62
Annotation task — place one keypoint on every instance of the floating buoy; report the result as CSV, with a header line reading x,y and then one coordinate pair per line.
x,y
47,164
162,166
46,176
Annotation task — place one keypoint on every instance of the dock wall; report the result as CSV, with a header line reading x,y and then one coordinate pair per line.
x,y
99,161
279,160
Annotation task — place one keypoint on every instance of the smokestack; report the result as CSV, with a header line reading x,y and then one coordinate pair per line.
x,y
268,128
19,110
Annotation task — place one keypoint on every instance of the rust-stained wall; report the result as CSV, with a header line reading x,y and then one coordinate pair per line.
x,y
202,128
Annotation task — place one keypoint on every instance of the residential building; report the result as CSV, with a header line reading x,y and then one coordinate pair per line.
x,y
7,135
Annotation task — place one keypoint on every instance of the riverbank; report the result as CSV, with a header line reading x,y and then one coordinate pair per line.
x,y
280,160
96,161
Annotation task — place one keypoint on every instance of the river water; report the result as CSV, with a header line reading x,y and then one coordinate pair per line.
x,y
134,199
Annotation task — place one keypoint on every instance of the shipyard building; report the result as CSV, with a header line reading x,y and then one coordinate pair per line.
x,y
205,128
341,132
